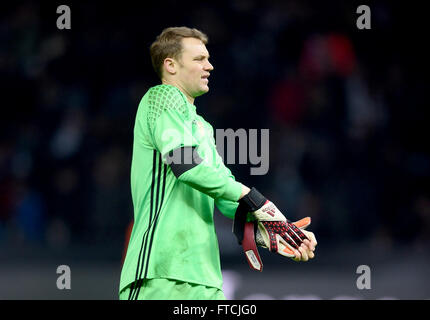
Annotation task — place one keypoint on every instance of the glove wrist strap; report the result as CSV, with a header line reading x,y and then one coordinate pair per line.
x,y
245,231
254,200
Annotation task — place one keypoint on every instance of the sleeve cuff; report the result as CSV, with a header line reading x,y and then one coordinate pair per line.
x,y
233,190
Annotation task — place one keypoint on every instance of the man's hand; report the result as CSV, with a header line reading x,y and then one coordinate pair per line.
x,y
276,233
307,248
272,231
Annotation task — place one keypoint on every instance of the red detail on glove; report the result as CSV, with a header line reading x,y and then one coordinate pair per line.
x,y
270,210
289,232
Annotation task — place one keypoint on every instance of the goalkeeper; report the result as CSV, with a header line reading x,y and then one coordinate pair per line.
x,y
177,177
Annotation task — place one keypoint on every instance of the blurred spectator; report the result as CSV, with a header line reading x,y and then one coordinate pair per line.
x,y
29,215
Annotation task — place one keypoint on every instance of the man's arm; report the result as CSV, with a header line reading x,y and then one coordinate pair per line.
x,y
245,191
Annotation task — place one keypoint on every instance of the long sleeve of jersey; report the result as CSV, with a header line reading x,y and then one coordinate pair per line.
x,y
177,128
227,207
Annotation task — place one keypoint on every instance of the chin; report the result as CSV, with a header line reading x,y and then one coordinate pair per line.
x,y
206,88
202,91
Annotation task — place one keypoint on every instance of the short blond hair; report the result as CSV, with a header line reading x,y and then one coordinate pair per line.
x,y
169,45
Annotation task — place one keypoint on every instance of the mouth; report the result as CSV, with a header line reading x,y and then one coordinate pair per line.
x,y
205,77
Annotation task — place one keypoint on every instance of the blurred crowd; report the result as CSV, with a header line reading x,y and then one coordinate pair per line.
x,y
347,138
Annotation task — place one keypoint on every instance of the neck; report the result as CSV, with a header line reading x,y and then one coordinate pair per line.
x,y
177,85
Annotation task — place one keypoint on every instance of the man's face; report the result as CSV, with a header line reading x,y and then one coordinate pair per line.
x,y
194,68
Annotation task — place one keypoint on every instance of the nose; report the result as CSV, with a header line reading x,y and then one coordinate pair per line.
x,y
209,66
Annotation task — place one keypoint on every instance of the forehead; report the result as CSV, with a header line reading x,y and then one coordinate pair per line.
x,y
193,47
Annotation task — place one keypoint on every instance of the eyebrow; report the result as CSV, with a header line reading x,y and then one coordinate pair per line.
x,y
202,56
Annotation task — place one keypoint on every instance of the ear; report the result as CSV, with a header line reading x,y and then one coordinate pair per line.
x,y
170,65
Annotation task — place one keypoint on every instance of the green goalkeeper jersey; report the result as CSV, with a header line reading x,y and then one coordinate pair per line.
x,y
173,234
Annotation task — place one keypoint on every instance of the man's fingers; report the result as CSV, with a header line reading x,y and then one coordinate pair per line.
x,y
302,224
304,253
310,245
311,237
307,248
288,240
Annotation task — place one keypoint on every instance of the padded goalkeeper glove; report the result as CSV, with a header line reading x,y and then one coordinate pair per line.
x,y
269,229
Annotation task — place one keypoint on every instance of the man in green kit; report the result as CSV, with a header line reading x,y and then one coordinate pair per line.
x,y
177,177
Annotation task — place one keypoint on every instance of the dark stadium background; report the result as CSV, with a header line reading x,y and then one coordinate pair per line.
x,y
348,139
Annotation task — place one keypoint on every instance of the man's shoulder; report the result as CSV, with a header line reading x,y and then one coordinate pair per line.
x,y
161,98
165,97
164,93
